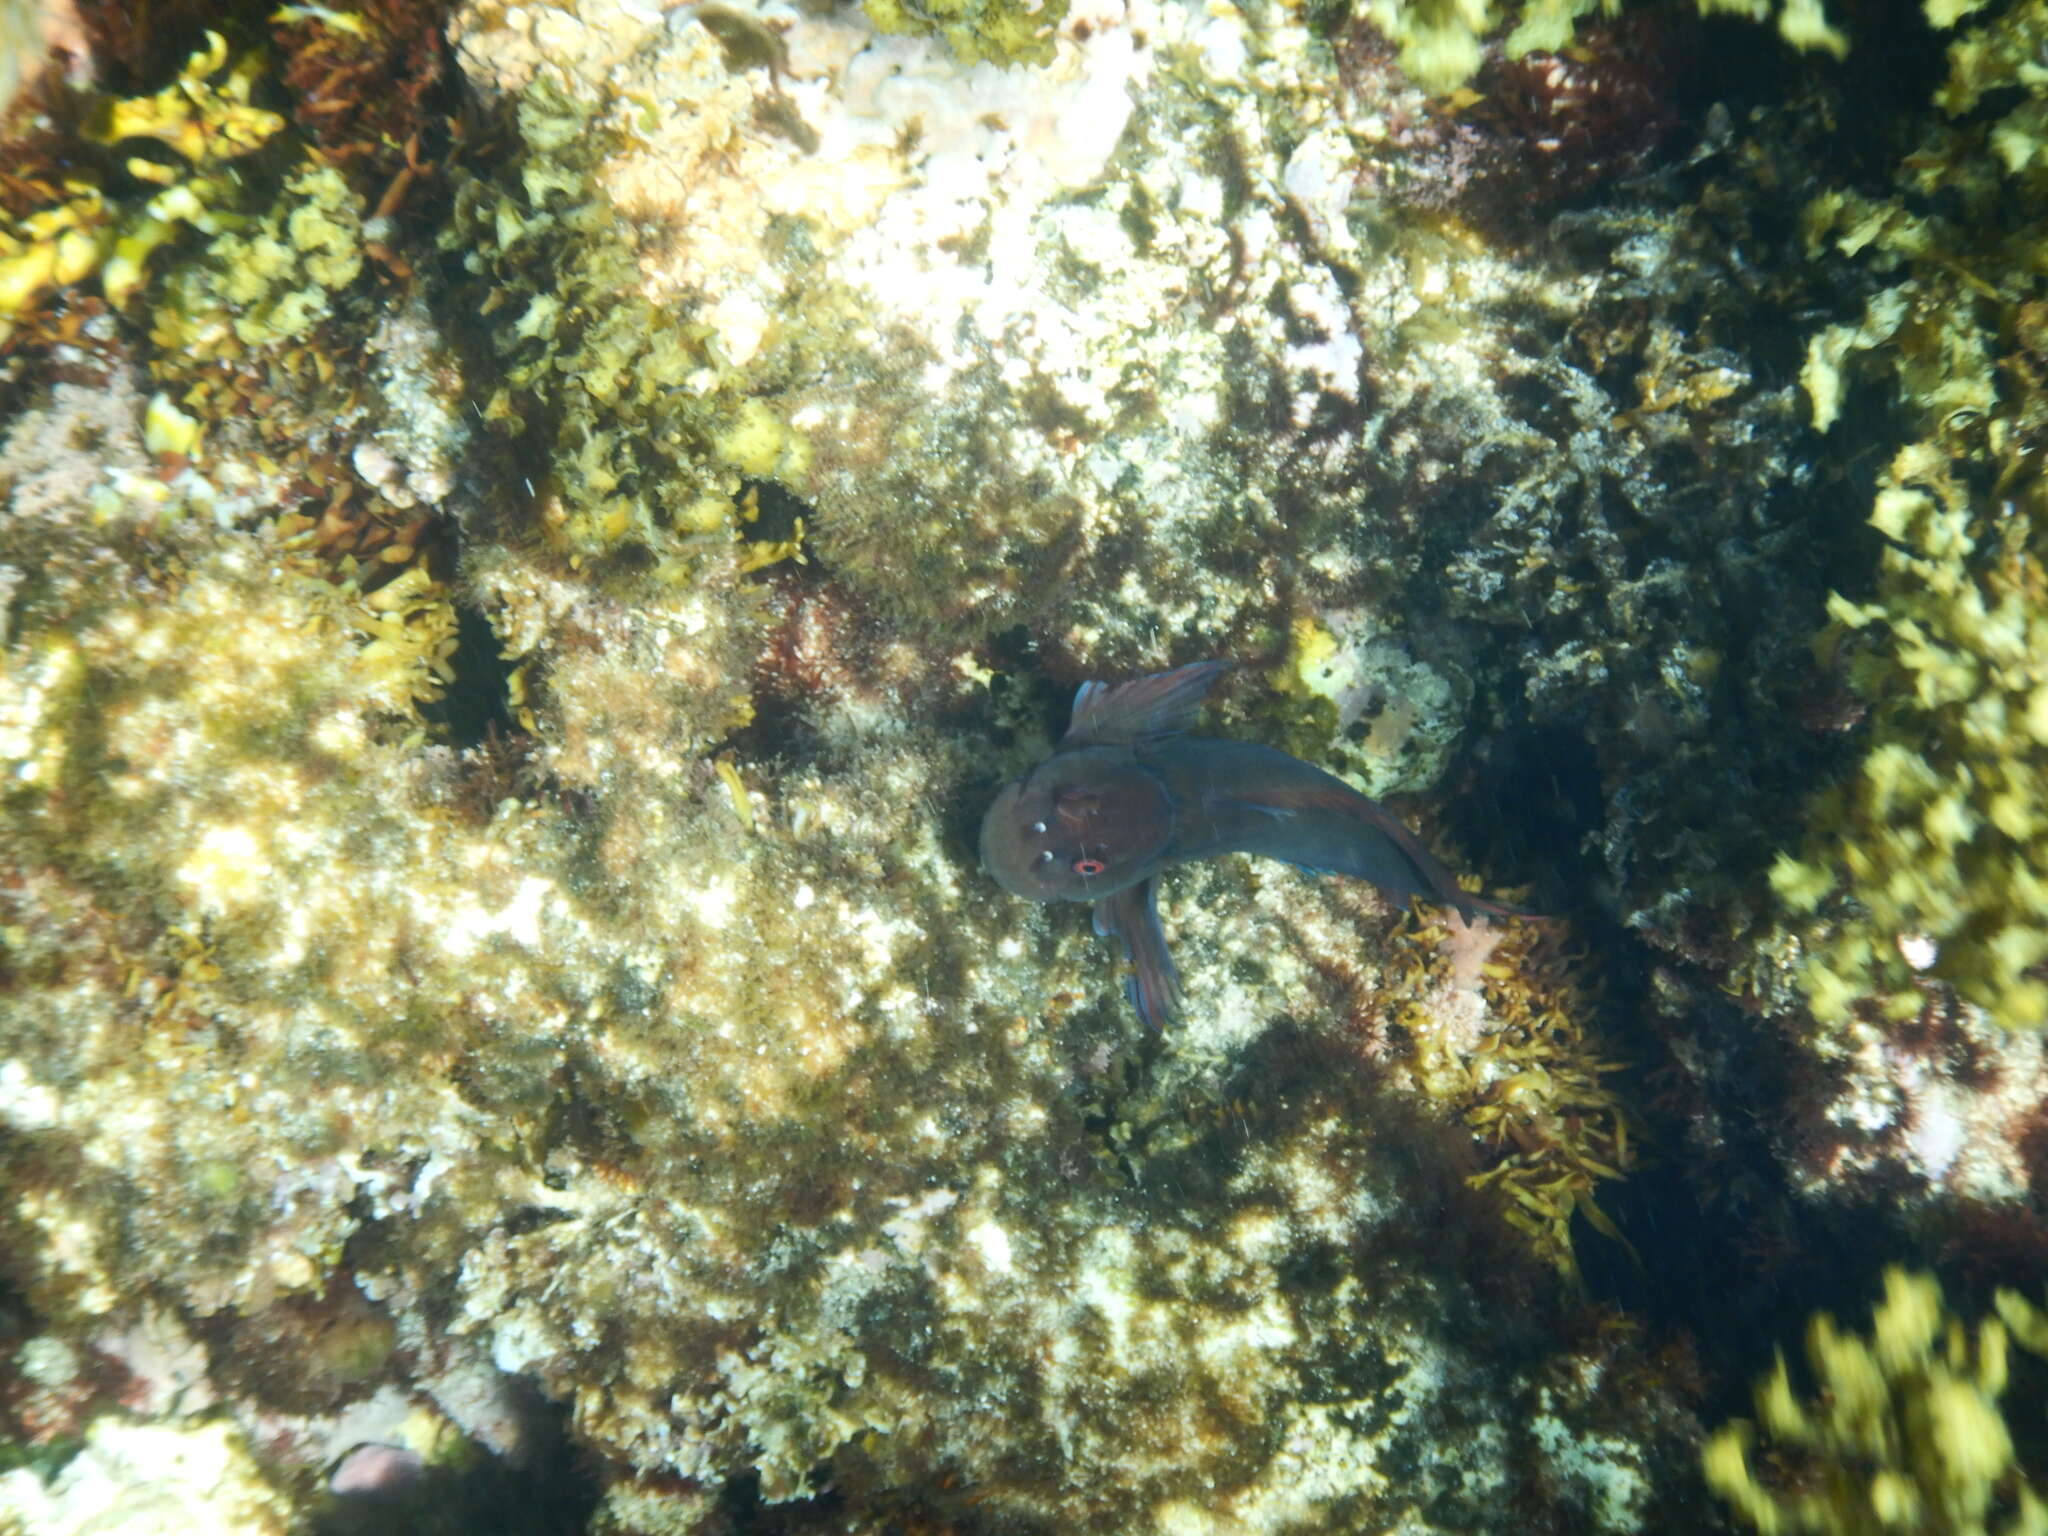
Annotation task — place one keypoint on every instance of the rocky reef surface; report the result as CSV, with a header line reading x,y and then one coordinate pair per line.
x,y
531,533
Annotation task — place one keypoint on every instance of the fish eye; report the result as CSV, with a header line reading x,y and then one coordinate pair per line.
x,y
1089,866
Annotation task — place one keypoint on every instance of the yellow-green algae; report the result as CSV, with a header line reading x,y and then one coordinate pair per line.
x,y
1442,42
1904,1431
996,31
268,283
260,331
649,435
1939,839
205,120
1927,863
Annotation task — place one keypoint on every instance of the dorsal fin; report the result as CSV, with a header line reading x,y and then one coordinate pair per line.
x,y
1144,707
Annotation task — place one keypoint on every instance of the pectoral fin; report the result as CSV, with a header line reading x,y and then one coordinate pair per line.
x,y
1132,915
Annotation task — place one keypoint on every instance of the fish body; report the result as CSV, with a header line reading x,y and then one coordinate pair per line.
x,y
1126,795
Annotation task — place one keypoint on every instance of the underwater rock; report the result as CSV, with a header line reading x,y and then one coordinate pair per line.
x,y
1947,1112
1137,311
755,1141
152,1481
1386,720
657,1042
27,30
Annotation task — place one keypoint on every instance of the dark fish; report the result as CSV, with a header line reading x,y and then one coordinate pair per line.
x,y
1125,794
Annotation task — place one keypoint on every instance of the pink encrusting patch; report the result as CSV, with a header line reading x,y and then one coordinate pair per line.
x,y
376,1471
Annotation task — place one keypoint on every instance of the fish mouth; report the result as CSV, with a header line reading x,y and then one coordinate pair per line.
x,y
1005,855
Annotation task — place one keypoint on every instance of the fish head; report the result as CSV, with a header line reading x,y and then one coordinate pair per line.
x,y
1082,825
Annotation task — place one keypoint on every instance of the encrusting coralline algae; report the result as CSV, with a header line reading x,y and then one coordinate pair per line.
x,y
511,619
